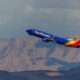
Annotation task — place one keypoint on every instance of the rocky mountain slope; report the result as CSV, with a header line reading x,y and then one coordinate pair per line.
x,y
30,53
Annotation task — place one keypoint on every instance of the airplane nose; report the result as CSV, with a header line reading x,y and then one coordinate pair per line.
x,y
29,31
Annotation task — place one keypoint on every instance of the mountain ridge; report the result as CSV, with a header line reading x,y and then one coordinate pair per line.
x,y
30,53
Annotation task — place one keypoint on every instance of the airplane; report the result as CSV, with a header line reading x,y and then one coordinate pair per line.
x,y
46,37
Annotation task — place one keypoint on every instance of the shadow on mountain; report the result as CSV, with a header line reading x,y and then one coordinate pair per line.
x,y
50,46
52,61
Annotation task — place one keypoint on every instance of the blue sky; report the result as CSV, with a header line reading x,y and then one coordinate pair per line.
x,y
59,17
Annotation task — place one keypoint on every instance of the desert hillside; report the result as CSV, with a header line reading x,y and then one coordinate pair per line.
x,y
30,53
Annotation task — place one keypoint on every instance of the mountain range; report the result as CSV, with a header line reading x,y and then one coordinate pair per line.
x,y
30,53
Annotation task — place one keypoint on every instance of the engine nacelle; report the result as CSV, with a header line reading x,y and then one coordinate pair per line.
x,y
45,39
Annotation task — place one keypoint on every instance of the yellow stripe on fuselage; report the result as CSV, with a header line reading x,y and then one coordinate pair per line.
x,y
71,42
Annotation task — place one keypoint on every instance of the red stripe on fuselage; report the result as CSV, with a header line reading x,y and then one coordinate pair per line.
x,y
75,44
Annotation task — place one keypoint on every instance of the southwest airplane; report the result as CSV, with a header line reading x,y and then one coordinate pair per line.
x,y
46,37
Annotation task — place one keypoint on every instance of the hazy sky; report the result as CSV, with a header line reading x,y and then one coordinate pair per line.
x,y
59,17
